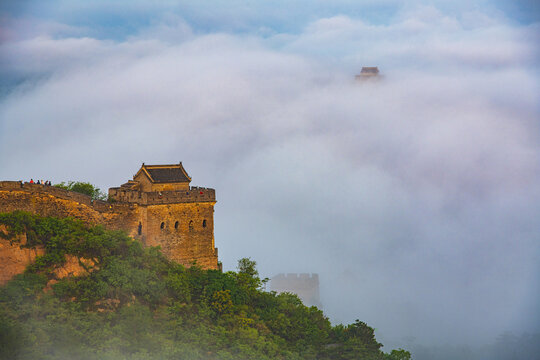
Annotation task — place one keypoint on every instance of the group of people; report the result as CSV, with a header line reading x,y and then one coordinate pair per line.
x,y
40,182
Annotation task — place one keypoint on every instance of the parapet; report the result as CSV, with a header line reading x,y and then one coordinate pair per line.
x,y
98,205
45,189
119,195
192,195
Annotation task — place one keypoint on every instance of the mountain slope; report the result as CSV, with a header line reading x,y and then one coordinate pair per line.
x,y
132,303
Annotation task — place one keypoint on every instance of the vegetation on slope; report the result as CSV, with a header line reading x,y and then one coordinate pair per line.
x,y
135,304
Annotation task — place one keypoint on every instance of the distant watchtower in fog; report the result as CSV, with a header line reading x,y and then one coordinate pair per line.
x,y
368,73
306,286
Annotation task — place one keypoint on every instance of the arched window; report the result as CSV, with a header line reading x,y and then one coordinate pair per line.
x,y
162,226
204,223
176,225
190,225
139,228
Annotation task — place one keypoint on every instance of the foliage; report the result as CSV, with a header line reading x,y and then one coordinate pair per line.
x,y
83,188
398,354
135,304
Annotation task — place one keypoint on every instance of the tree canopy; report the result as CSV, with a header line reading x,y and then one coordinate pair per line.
x,y
83,188
135,304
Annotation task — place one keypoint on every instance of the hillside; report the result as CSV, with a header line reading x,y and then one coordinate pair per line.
x,y
131,302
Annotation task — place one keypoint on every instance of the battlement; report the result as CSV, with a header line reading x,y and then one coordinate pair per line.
x,y
121,197
98,205
192,195
295,276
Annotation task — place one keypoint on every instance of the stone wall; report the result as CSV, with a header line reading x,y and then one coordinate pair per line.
x,y
190,195
185,232
51,201
182,243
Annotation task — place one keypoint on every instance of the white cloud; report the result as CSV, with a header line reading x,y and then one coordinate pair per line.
x,y
423,38
414,197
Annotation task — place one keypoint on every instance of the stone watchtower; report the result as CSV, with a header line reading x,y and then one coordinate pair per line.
x,y
171,213
306,286
368,73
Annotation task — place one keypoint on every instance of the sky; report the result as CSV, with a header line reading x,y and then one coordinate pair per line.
x,y
415,198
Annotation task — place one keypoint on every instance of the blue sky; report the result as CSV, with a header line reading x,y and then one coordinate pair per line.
x,y
421,190
118,19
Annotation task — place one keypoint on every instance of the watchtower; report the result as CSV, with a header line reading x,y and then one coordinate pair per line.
x,y
306,286
171,213
368,73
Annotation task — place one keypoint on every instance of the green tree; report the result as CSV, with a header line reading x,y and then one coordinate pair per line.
x,y
248,267
221,302
398,354
133,303
83,188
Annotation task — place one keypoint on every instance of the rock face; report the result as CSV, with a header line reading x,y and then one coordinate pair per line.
x,y
14,259
74,267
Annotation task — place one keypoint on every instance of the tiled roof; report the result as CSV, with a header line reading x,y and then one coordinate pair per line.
x,y
369,70
166,173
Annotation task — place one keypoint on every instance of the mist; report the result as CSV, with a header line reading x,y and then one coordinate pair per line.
x,y
415,198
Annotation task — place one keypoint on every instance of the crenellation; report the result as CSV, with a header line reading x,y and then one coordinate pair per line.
x,y
294,276
193,194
